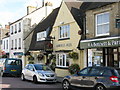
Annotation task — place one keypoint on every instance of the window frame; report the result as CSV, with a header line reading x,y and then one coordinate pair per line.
x,y
59,60
63,31
19,27
96,25
12,29
20,43
15,28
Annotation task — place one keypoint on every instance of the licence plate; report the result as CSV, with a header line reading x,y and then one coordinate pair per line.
x,y
13,70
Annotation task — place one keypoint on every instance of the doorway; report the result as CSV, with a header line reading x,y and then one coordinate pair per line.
x,y
112,56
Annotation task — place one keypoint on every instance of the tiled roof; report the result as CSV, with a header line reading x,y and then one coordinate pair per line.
x,y
46,24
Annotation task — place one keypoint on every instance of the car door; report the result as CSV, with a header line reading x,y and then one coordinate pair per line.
x,y
30,72
81,78
96,75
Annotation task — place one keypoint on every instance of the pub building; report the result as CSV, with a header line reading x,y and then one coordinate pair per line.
x,y
101,36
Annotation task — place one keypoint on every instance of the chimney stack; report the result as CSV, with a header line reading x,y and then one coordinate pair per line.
x,y
43,3
30,9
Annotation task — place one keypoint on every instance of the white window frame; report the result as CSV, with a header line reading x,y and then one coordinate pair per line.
x,y
19,27
12,27
64,30
58,61
12,43
15,43
7,44
15,28
41,36
20,42
102,24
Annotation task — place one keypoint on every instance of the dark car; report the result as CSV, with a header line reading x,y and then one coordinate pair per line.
x,y
96,77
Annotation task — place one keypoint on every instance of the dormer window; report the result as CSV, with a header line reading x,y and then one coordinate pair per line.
x,y
41,36
102,24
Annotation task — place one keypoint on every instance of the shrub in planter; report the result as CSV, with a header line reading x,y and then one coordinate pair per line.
x,y
74,68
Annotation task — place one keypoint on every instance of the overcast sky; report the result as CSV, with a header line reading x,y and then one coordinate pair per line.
x,y
11,10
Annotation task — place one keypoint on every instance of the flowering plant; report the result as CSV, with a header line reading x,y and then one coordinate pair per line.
x,y
30,57
73,55
73,68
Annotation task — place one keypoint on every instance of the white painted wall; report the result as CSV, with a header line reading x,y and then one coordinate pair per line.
x,y
35,17
5,47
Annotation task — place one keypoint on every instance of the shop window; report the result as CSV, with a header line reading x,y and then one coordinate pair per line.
x,y
64,32
62,60
95,57
102,24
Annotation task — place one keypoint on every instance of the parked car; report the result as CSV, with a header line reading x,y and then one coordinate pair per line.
x,y
96,77
38,73
12,66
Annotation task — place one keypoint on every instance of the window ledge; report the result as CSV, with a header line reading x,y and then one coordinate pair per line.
x,y
102,34
60,67
64,38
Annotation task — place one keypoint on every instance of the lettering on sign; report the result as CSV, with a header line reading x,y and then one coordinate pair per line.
x,y
106,43
64,45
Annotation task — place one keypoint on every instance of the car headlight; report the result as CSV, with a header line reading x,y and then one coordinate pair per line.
x,y
40,74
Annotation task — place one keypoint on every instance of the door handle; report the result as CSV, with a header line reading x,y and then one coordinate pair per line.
x,y
96,77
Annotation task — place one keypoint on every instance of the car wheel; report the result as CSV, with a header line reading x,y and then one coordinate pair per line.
x,y
35,79
66,85
22,77
100,87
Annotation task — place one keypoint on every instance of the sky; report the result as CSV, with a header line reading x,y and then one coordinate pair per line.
x,y
12,10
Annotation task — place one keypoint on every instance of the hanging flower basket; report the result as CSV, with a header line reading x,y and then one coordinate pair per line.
x,y
30,57
40,57
73,55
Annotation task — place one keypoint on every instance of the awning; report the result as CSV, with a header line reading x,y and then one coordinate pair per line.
x,y
101,42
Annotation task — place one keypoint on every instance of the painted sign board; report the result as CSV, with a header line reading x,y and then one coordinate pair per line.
x,y
104,42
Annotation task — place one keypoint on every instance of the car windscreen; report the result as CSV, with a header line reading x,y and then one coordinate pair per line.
x,y
42,67
13,62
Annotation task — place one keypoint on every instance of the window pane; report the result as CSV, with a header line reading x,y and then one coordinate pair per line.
x,y
64,31
102,23
99,29
84,71
99,19
106,28
105,18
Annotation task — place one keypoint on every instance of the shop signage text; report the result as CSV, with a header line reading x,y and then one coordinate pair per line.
x,y
107,43
100,43
64,45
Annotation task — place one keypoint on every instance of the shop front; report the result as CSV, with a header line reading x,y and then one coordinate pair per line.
x,y
102,52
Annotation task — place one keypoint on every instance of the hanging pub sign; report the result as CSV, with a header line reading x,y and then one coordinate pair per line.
x,y
118,23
